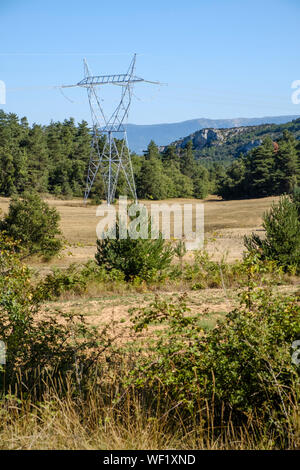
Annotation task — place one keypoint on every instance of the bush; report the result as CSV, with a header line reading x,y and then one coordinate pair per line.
x,y
145,259
75,279
241,368
31,221
205,273
250,354
282,240
39,343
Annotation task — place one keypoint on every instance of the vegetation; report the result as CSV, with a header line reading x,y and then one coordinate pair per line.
x,y
173,382
243,365
53,159
270,169
34,224
225,145
176,374
140,258
37,344
282,234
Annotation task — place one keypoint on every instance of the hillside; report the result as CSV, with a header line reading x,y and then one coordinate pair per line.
x,y
139,136
227,144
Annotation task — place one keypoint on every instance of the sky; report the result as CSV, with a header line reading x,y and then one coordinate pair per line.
x,y
216,59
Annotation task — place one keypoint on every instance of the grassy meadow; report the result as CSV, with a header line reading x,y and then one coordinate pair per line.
x,y
111,414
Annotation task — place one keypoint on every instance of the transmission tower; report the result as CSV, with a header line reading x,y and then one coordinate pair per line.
x,y
110,152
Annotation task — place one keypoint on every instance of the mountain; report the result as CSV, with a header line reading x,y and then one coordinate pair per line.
x,y
139,136
227,144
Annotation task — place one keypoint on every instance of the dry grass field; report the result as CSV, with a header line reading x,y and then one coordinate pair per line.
x,y
226,223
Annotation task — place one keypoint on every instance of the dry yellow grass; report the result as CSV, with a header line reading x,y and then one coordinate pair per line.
x,y
226,222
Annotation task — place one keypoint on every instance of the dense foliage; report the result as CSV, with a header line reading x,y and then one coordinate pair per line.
x,y
140,258
273,168
34,224
38,343
282,234
54,159
242,367
218,381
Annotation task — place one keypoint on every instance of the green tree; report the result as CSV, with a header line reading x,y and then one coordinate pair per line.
x,y
287,164
282,239
182,184
152,151
260,170
38,162
188,165
31,221
152,182
232,185
7,173
170,154
142,258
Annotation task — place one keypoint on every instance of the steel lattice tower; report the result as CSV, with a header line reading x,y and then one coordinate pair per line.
x,y
110,152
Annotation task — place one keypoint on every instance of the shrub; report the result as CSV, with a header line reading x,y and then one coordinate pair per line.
x,y
282,240
75,279
31,221
241,368
250,353
37,342
143,258
295,196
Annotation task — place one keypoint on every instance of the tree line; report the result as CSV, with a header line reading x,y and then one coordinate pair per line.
x,y
54,159
271,169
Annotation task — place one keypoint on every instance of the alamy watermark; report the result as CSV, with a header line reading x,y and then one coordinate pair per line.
x,y
296,353
174,222
2,92
2,353
296,94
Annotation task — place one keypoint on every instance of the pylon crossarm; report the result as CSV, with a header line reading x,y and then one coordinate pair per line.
x,y
122,79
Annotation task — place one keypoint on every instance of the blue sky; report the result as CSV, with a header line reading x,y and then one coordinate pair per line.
x,y
220,58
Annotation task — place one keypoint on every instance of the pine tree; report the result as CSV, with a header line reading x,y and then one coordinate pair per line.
x,y
259,180
232,185
170,154
282,239
182,184
7,173
287,164
38,167
187,161
152,151
152,182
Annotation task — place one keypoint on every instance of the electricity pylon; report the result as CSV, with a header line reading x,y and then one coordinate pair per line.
x,y
110,151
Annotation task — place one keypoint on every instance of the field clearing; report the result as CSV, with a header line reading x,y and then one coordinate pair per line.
x,y
226,223
210,305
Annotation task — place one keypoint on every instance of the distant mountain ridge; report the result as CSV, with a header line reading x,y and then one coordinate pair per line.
x,y
139,136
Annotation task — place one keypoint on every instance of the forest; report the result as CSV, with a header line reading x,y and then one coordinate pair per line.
x,y
271,169
53,159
